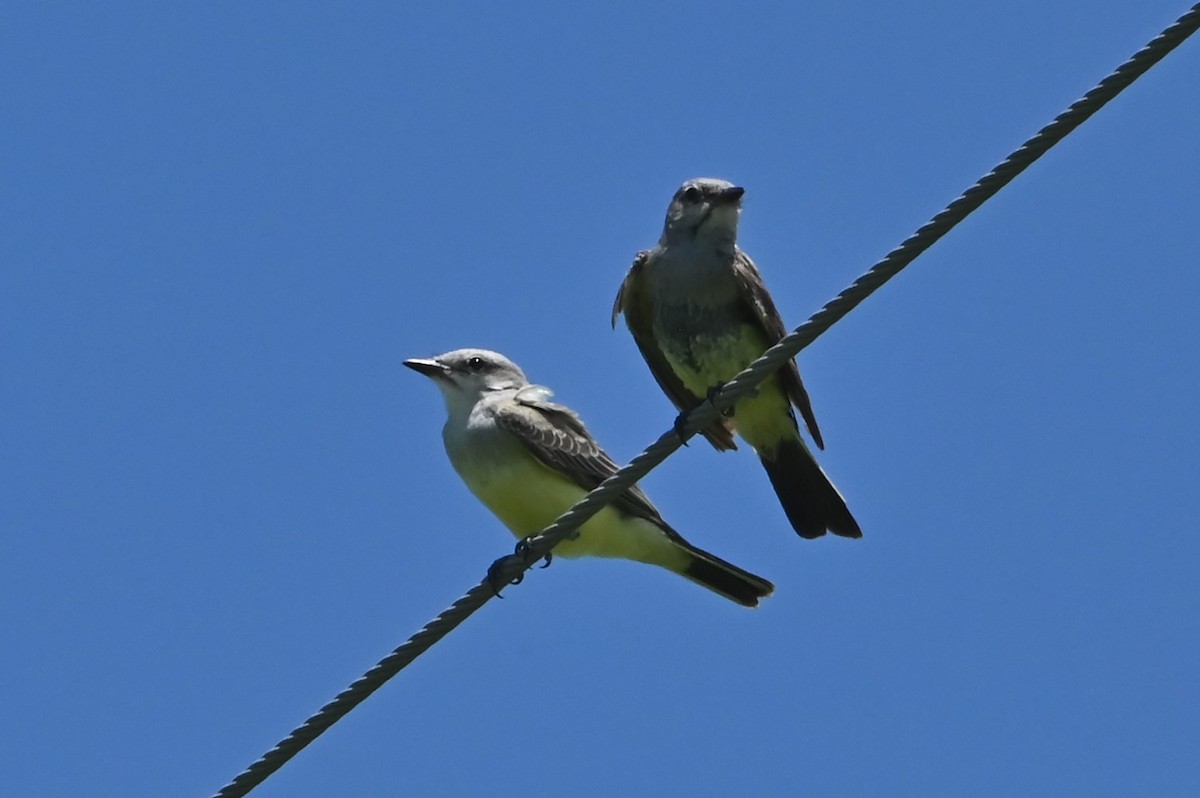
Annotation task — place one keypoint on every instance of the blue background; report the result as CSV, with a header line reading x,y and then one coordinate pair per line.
x,y
223,498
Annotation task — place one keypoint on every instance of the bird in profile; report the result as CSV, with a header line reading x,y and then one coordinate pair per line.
x,y
700,313
529,459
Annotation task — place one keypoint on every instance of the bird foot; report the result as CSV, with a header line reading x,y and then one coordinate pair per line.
x,y
680,428
525,552
510,569
712,395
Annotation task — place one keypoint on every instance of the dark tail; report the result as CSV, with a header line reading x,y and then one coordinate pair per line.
x,y
809,499
732,582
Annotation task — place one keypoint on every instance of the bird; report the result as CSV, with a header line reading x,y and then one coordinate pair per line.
x,y
699,312
528,459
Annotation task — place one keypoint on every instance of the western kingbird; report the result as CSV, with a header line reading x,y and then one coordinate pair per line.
x,y
528,460
700,313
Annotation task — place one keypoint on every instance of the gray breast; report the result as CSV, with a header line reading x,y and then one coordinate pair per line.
x,y
698,307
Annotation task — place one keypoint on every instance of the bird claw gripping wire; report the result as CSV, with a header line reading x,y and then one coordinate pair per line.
x,y
510,569
680,426
715,391
711,397
525,552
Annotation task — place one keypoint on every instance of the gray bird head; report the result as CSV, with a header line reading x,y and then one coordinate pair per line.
x,y
703,208
466,374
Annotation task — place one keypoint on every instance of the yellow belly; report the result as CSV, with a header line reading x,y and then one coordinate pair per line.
x,y
762,418
527,496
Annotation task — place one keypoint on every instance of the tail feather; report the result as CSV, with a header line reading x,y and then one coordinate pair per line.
x,y
811,502
710,571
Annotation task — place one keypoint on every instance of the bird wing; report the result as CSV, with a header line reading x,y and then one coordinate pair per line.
x,y
556,436
639,317
755,294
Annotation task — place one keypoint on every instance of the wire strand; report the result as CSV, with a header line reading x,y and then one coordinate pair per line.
x,y
512,567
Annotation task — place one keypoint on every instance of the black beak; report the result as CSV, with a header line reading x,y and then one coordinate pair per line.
x,y
430,368
728,196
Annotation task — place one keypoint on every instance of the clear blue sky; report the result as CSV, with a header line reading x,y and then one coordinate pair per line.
x,y
223,498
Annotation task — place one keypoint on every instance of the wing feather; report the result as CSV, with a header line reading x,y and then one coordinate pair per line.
x,y
754,292
556,436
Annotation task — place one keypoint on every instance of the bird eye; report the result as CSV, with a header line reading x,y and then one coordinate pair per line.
x,y
691,194
475,363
